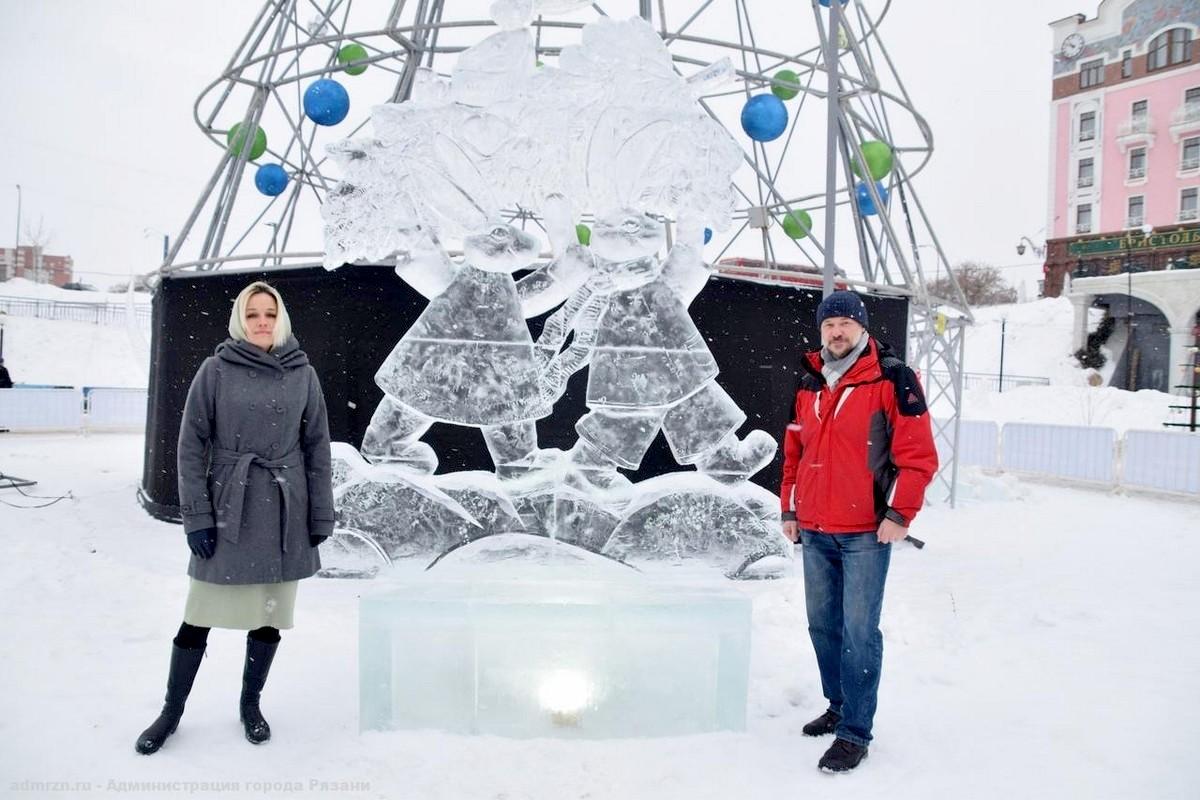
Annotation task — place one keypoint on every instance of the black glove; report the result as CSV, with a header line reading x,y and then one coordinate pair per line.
x,y
203,542
315,539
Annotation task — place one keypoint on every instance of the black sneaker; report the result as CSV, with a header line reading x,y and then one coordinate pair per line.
x,y
842,756
823,724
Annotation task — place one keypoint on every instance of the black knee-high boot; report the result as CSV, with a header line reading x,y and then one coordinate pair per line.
x,y
185,662
259,654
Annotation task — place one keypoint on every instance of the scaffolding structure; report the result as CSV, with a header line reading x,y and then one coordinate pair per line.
x,y
846,89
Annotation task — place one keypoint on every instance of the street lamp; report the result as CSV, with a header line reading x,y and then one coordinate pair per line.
x,y
17,246
1037,251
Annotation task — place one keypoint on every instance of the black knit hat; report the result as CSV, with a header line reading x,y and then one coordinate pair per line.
x,y
842,304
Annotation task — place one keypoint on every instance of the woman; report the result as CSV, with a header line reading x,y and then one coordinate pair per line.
x,y
256,497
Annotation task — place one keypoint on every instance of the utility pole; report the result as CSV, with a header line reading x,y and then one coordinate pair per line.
x,y
832,143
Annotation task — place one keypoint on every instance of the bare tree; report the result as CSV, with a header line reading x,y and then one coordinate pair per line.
x,y
39,238
982,284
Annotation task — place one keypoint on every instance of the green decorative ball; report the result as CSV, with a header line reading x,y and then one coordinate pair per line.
x,y
785,92
353,52
584,234
879,160
796,224
234,140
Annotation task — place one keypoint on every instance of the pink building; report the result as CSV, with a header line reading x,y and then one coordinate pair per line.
x,y
1126,118
1124,190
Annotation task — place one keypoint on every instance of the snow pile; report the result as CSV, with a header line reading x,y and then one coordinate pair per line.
x,y
1038,343
64,353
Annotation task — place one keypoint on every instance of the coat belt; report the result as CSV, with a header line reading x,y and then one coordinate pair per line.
x,y
234,496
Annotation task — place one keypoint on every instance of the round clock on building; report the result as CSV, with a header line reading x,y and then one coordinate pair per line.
x,y
1072,46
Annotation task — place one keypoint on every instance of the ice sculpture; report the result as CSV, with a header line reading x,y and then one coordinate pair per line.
x,y
522,636
613,131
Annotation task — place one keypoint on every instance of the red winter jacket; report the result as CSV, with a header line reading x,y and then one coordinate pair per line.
x,y
851,453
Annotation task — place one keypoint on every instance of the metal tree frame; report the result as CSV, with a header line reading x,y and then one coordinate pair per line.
x,y
847,77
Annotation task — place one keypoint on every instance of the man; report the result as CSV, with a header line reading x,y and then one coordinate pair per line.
x,y
857,458
5,379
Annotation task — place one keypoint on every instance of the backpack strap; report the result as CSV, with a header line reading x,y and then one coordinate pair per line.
x,y
910,399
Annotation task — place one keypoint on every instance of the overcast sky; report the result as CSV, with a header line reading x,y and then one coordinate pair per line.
x,y
96,120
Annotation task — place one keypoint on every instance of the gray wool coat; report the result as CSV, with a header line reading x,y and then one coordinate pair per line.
x,y
254,463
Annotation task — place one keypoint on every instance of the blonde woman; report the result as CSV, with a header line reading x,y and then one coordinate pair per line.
x,y
256,498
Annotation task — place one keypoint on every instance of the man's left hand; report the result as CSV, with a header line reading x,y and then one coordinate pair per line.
x,y
891,532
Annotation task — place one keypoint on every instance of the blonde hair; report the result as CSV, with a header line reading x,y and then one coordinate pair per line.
x,y
237,317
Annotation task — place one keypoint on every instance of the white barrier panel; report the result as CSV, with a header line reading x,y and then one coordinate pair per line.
x,y
1162,460
1063,451
116,408
978,444
41,409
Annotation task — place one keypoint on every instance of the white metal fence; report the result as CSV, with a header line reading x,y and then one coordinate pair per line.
x,y
98,313
993,381
1159,460
28,409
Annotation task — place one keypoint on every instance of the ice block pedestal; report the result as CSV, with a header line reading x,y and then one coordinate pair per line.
x,y
560,657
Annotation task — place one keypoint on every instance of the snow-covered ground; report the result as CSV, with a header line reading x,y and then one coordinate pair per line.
x,y
1046,644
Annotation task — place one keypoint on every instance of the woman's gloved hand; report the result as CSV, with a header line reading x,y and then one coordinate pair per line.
x,y
316,540
203,542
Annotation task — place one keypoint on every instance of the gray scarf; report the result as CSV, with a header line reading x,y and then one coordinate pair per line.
x,y
834,368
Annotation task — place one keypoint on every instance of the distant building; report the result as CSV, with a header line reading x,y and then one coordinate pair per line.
x,y
1124,226
35,265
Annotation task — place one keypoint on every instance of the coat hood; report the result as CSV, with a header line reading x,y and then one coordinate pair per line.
x,y
286,356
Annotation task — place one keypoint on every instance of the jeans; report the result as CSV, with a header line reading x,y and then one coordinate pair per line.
x,y
844,575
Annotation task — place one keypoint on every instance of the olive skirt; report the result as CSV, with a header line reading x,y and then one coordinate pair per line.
x,y
240,606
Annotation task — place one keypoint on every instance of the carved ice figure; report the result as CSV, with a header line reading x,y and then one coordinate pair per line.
x,y
650,368
613,127
469,358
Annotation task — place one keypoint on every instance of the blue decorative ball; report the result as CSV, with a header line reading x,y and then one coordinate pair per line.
x,y
707,235
826,2
326,102
866,205
764,117
271,180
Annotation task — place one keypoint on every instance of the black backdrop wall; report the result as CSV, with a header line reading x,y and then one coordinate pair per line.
x,y
349,320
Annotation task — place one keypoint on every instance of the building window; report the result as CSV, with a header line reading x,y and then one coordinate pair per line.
x,y
1137,163
1136,214
1127,64
1169,48
1083,218
1191,107
1189,209
1087,126
1087,173
1091,74
1139,117
1190,154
